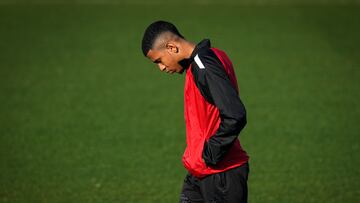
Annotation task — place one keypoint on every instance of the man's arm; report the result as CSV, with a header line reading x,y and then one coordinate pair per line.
x,y
215,85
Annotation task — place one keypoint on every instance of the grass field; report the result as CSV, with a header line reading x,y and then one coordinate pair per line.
x,y
84,117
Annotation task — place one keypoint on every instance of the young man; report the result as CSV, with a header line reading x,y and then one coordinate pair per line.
x,y
214,115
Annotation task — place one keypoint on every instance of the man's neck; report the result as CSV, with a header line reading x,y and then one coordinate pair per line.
x,y
188,48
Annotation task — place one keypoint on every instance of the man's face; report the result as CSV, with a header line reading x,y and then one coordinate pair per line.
x,y
166,58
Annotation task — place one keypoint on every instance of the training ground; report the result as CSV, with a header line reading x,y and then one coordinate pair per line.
x,y
85,118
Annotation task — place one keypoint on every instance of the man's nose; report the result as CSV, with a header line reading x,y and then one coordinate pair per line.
x,y
162,67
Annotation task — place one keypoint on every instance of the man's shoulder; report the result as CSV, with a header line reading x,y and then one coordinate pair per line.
x,y
207,60
206,53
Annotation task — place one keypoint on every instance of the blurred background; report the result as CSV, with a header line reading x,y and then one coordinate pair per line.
x,y
84,117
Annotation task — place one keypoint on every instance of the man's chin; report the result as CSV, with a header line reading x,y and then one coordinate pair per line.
x,y
181,71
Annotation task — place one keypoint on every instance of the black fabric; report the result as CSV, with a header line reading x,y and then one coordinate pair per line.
x,y
185,63
203,45
216,87
225,187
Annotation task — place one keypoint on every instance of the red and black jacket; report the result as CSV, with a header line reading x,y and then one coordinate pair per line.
x,y
214,113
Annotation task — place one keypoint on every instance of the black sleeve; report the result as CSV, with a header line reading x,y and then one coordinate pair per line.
x,y
215,85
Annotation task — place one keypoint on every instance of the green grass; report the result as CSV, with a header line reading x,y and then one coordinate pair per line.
x,y
84,117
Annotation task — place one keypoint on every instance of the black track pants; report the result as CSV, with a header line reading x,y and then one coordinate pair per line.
x,y
225,187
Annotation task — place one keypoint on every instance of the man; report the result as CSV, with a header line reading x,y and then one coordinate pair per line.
x,y
214,115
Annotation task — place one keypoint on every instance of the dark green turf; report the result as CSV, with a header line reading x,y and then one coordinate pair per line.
x,y
84,117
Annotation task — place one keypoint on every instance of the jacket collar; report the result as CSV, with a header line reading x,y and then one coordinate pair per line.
x,y
204,44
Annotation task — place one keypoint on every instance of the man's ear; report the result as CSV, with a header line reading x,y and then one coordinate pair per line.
x,y
171,47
